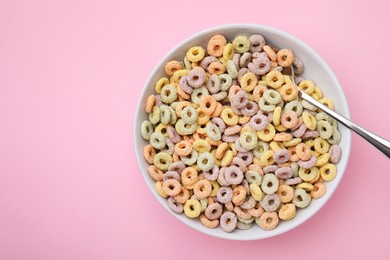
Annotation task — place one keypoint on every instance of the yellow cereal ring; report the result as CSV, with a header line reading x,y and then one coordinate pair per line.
x,y
287,211
328,171
214,188
305,186
256,192
201,146
161,83
229,117
192,208
321,146
323,159
159,188
307,86
228,51
227,158
308,174
221,150
318,93
309,120
248,81
195,54
216,68
276,116
276,146
267,134
292,142
241,44
267,158
175,78
244,119
274,79
327,102
203,118
280,128
233,148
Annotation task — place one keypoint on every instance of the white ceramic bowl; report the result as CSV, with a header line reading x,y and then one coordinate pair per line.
x,y
315,69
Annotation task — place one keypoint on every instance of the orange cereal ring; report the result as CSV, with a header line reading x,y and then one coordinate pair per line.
x,y
282,137
256,211
289,119
239,195
202,188
303,152
268,220
171,187
221,150
172,66
242,213
183,148
229,206
288,92
150,103
189,176
149,153
216,45
208,104
212,142
155,173
285,57
208,223
286,193
270,52
318,191
294,156
258,92
180,106
181,92
216,67
217,110
233,91
183,195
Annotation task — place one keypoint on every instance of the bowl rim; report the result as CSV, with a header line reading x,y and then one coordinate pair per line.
x,y
259,27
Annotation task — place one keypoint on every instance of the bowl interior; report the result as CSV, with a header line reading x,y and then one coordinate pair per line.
x,y
315,69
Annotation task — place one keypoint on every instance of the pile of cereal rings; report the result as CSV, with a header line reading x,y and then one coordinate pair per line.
x,y
231,143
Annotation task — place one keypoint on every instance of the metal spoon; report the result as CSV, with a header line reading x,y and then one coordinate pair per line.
x,y
380,143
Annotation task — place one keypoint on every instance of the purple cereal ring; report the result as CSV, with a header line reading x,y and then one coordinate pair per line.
x,y
159,103
224,195
236,60
308,164
298,80
258,122
220,95
239,147
230,138
246,186
270,202
196,77
281,156
298,67
284,173
214,84
237,111
221,177
240,99
233,175
207,61
213,211
228,221
173,136
256,43
293,181
184,85
239,163
335,153
247,157
260,65
300,131
270,169
232,130
219,122
171,175
310,134
250,109
178,167
241,73
212,175
175,206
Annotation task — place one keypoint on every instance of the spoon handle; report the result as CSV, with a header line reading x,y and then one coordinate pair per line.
x,y
380,143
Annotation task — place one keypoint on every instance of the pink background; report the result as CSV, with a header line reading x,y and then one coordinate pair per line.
x,y
70,76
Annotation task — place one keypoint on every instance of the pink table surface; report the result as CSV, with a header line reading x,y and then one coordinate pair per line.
x,y
70,76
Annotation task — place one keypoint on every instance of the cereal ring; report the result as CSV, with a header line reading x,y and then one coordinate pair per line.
x,y
249,110
335,138
196,77
247,157
335,153
162,160
253,177
219,122
309,120
243,226
231,69
205,161
202,189
150,102
184,129
308,164
242,214
256,43
286,193
305,186
269,184
212,175
195,54
213,211
309,175
309,134
216,68
183,148
270,202
208,223
327,102
214,84
189,115
284,173
281,156
216,45
245,59
289,119
324,128
328,171
227,158
228,221
248,140
172,66
241,44
248,81
267,134
155,173
260,65
300,131
201,146
268,220
321,146
298,66
240,99
303,152
159,189
233,175
146,129
285,57
318,191
168,93
208,104
239,195
183,195
189,176
288,92
198,94
229,117
295,106
175,206
171,187
287,211
270,52
171,175
272,97
154,117
192,208
225,195
301,198
191,158
274,79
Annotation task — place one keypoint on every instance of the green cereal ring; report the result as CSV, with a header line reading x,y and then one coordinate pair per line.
x,y
154,116
226,81
191,158
187,64
248,140
335,124
174,104
335,138
253,177
205,161
157,140
272,96
168,93
260,148
294,106
325,129
231,69
241,44
184,129
265,106
173,117
213,132
324,116
198,93
165,114
308,105
301,198
162,161
270,183
189,115
146,129
295,167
